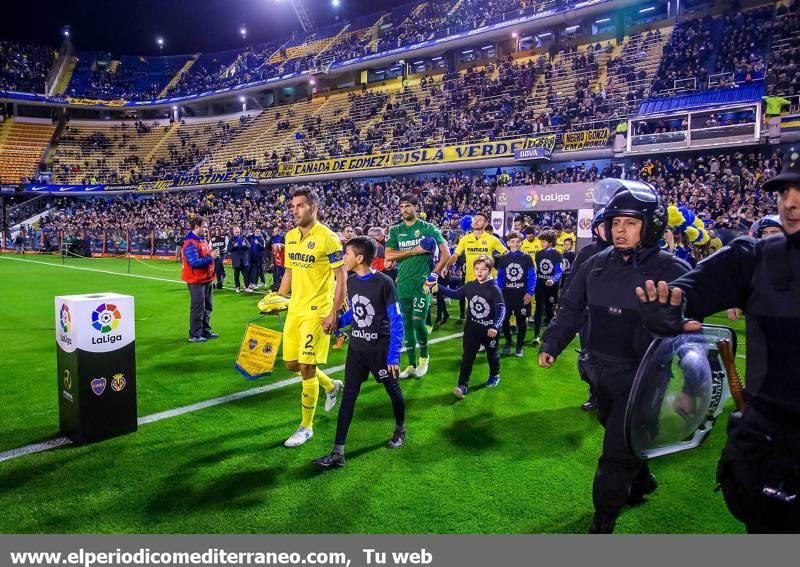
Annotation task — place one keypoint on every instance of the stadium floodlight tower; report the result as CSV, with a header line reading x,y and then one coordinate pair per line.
x,y
302,14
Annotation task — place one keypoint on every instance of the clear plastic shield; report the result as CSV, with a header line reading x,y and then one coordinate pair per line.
x,y
607,188
678,393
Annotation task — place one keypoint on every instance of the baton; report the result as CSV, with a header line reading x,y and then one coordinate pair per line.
x,y
734,382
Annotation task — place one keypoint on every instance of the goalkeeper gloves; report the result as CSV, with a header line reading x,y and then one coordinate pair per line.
x,y
432,283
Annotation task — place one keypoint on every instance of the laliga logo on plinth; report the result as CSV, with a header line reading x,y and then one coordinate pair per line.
x,y
65,321
106,318
531,199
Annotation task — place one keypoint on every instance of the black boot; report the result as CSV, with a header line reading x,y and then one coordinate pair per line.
x,y
590,404
642,485
602,525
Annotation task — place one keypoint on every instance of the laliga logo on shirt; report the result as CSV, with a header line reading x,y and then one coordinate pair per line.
x,y
514,272
65,321
479,307
363,314
546,267
106,318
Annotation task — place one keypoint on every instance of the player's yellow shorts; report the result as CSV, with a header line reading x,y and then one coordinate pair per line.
x,y
304,340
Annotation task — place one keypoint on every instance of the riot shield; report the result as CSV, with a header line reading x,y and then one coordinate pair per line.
x,y
678,393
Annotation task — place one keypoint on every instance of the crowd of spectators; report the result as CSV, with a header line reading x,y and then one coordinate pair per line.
x,y
685,56
743,49
783,75
24,67
723,189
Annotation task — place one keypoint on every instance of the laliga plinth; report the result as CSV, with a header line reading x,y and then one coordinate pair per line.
x,y
96,366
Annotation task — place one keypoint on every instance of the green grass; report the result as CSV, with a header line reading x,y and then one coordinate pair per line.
x,y
518,459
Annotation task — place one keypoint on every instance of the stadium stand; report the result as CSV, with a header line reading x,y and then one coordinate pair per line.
x,y
784,60
99,76
24,67
22,148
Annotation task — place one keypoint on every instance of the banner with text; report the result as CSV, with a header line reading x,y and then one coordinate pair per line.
x,y
574,141
558,197
424,156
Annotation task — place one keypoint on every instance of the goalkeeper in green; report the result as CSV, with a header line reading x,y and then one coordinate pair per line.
x,y
412,244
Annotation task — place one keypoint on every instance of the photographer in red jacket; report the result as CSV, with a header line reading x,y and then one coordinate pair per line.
x,y
198,273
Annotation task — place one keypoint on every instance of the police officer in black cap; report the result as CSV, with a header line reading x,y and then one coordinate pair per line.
x,y
605,285
760,467
598,244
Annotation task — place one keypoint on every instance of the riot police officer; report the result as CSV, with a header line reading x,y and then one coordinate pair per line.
x,y
605,285
759,471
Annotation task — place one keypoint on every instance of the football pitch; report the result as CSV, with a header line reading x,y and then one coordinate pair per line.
x,y
516,459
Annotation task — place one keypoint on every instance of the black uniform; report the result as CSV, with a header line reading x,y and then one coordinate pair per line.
x,y
485,311
548,267
760,467
516,276
567,261
220,244
606,286
376,337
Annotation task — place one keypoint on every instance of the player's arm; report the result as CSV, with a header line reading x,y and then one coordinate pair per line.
x,y
339,293
395,255
286,283
499,313
346,319
454,257
499,248
558,270
395,329
452,293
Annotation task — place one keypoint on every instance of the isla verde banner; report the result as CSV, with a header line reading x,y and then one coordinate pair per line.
x,y
541,146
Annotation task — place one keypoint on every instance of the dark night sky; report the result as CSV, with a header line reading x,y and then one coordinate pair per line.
x,y
130,26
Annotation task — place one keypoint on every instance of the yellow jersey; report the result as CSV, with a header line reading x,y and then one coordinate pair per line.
x,y
531,247
312,260
474,246
560,241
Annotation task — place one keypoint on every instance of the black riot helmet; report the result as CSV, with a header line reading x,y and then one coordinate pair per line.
x,y
597,220
640,201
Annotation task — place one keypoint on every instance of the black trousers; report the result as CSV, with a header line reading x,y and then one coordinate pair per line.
x,y
200,309
515,306
219,269
442,314
277,276
474,337
357,368
244,271
617,468
546,297
759,471
257,271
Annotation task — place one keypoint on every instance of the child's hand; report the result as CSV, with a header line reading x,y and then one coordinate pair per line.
x,y
492,333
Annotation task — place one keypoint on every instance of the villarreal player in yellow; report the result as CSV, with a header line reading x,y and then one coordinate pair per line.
x,y
476,244
316,278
